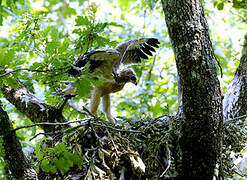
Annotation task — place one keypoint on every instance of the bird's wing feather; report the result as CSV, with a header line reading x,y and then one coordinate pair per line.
x,y
106,62
100,62
132,51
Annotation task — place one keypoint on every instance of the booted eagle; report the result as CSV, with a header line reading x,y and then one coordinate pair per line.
x,y
106,63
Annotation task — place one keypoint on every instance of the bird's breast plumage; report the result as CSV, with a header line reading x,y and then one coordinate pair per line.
x,y
109,87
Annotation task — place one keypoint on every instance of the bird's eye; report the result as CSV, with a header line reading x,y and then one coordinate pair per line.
x,y
133,78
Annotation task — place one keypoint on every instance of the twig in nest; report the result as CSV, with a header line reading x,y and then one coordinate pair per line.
x,y
116,129
168,162
114,145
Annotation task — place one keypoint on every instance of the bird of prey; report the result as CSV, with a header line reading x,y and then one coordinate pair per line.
x,y
106,63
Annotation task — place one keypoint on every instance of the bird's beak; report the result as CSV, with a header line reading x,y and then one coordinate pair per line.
x,y
135,83
133,80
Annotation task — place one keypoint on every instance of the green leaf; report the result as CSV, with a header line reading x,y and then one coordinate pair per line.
x,y
100,27
11,82
47,167
37,66
60,147
83,86
6,56
50,150
82,20
51,47
115,24
124,4
4,42
157,108
220,6
77,159
1,20
238,4
54,34
62,164
38,152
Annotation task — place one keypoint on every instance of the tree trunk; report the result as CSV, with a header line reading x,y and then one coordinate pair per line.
x,y
201,97
14,157
235,100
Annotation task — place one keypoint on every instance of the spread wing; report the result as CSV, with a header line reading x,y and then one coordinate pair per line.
x,y
100,62
106,62
132,51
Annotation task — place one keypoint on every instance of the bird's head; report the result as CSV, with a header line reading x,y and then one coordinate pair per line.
x,y
128,75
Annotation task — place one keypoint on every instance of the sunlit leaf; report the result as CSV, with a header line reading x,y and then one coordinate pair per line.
x,y
220,6
83,86
82,20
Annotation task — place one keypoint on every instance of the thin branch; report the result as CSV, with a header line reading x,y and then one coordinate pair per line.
x,y
236,118
65,100
30,70
239,16
117,152
45,134
78,110
23,69
52,124
168,162
151,68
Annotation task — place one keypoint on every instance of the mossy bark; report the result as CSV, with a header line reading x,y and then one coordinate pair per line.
x,y
14,157
199,87
235,99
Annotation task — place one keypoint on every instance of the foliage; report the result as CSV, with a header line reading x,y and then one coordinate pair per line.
x,y
233,144
43,42
57,158
238,4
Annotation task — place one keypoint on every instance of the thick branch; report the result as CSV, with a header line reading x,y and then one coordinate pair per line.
x,y
33,108
235,100
14,157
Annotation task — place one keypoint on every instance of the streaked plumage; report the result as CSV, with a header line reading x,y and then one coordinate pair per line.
x,y
106,63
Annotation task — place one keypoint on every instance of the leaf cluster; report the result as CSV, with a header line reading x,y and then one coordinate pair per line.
x,y
238,4
53,159
40,53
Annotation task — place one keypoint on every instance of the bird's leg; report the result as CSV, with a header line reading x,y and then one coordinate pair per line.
x,y
95,100
107,108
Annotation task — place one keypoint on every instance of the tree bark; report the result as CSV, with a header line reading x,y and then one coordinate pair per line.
x,y
14,157
34,108
201,97
235,99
